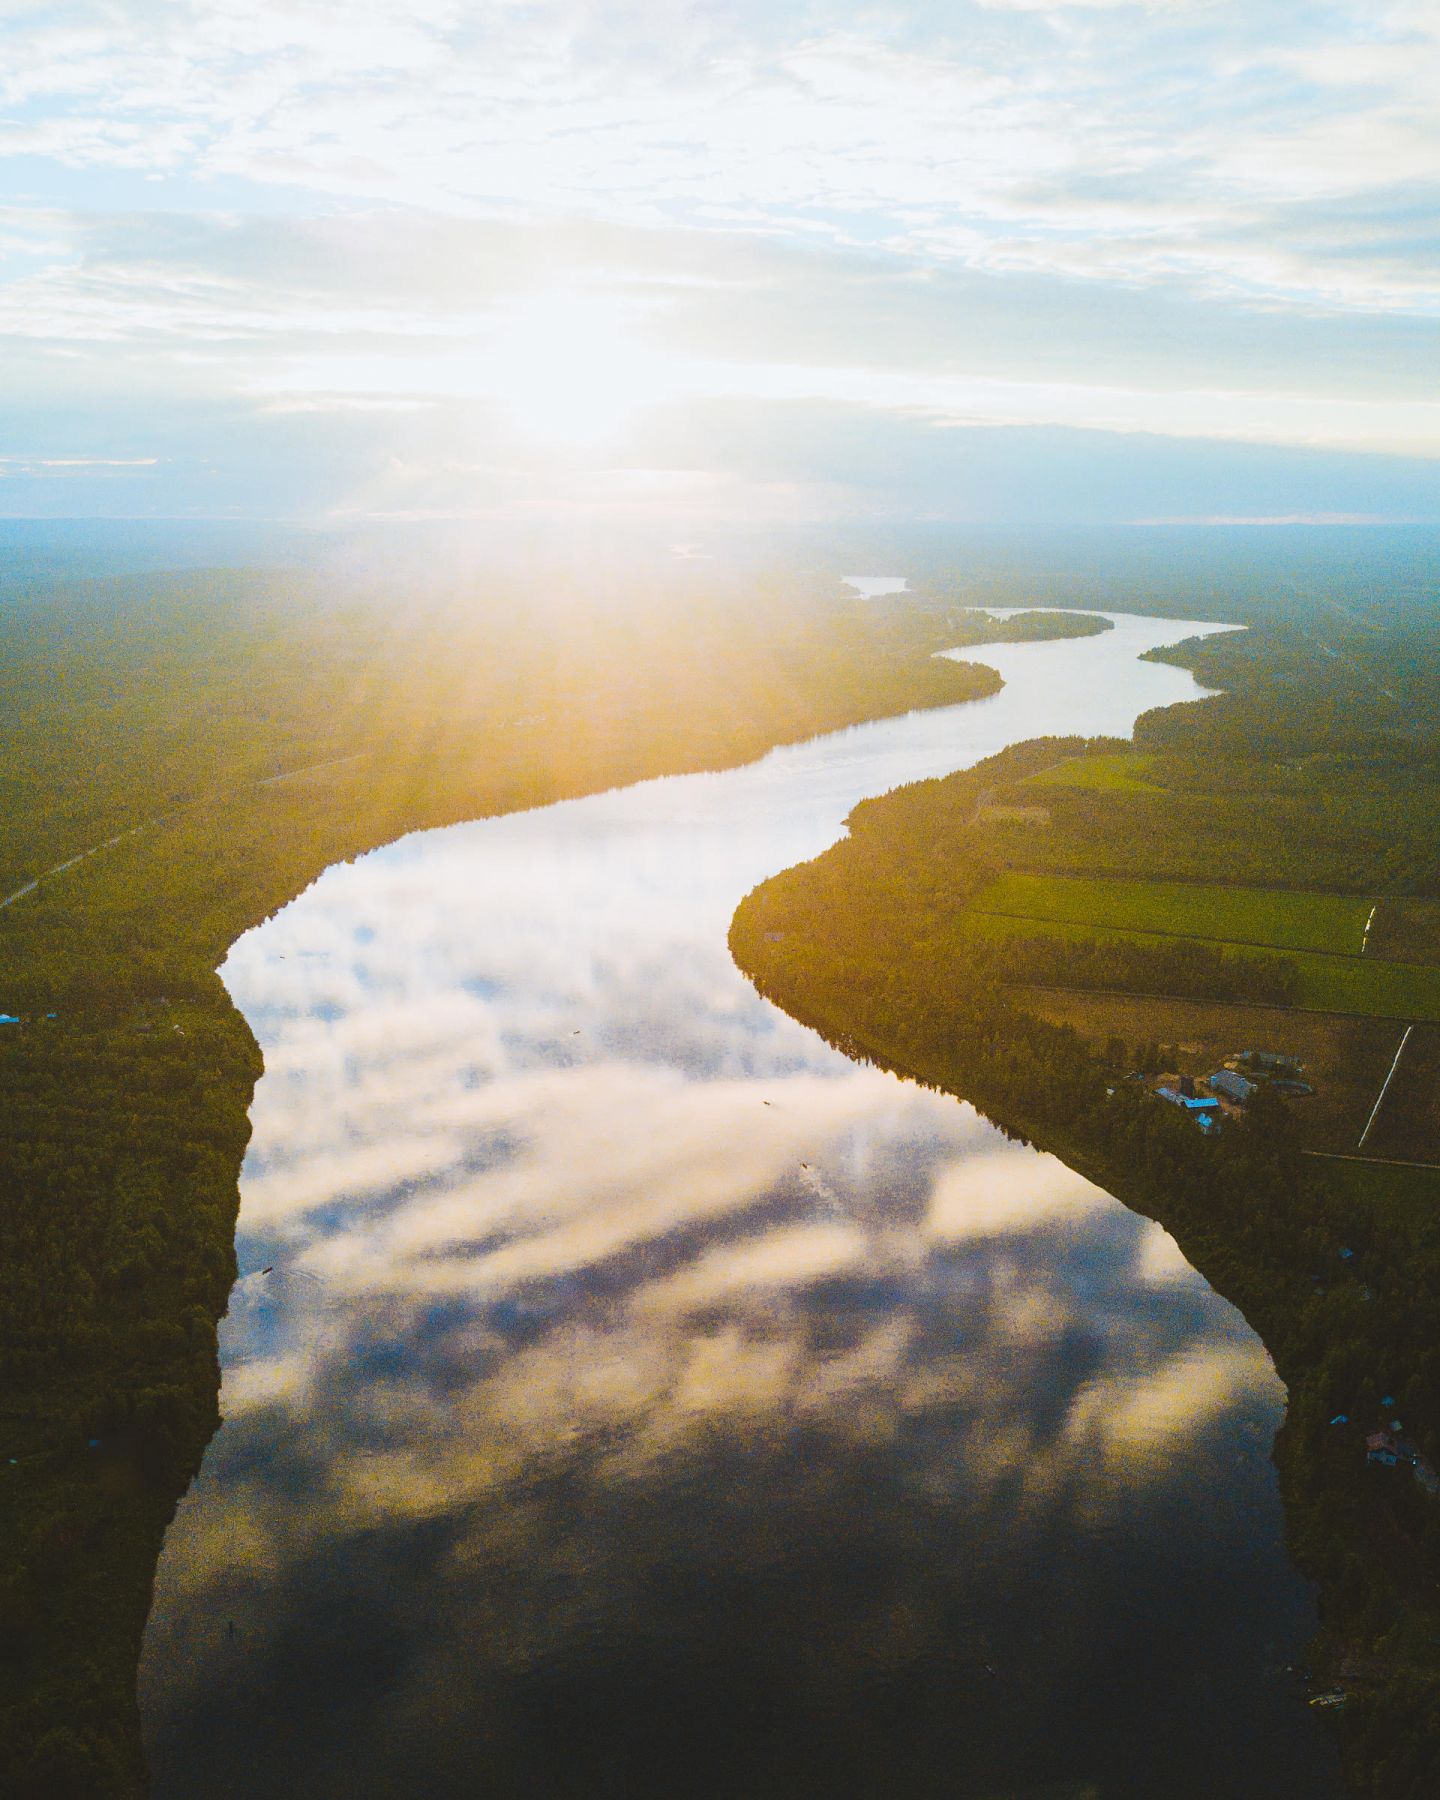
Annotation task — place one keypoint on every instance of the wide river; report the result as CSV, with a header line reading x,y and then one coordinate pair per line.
x,y
626,1395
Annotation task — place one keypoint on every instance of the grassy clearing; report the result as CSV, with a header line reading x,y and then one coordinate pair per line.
x,y
1119,772
1392,990
1327,983
1228,915
1406,931
987,814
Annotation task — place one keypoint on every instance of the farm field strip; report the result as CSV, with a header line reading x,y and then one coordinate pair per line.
x,y
1328,982
1332,924
1409,991
1158,933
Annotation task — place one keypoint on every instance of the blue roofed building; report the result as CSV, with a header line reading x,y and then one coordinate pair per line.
x,y
1231,1085
1205,1113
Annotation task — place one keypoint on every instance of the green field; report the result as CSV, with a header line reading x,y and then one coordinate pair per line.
x,y
1275,919
1299,926
1120,771
1394,990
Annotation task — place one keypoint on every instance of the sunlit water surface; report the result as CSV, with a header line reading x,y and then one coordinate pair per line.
x,y
645,1400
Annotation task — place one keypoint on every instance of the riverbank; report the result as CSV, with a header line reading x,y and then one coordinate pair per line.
x,y
863,945
127,1082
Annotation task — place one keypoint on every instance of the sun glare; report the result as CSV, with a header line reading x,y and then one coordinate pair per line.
x,y
570,368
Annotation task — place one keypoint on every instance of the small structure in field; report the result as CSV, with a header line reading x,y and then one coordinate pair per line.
x,y
1232,1085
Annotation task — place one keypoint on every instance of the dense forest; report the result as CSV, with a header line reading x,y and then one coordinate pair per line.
x,y
223,738
1302,774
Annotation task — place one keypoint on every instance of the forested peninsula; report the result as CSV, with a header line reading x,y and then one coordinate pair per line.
x,y
1061,930
179,757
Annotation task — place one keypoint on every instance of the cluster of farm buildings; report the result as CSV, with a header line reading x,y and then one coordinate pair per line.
x,y
1210,1099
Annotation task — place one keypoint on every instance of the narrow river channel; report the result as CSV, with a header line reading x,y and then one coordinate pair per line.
x,y
626,1395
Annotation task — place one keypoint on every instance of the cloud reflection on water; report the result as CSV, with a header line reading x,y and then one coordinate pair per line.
x,y
1005,1384
635,1369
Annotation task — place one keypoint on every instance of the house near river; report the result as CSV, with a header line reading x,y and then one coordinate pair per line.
x,y
1391,1450
1205,1112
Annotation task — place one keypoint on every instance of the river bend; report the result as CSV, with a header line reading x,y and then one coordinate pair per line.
x,y
627,1395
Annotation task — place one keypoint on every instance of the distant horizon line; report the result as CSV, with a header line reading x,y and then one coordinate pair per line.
x,y
1269,522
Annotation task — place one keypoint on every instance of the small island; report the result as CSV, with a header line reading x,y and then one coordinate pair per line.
x,y
981,626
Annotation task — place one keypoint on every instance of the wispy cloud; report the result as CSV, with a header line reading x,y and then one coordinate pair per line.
x,y
1177,218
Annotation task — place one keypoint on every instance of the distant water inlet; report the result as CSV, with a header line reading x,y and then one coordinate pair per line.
x,y
874,587
627,1395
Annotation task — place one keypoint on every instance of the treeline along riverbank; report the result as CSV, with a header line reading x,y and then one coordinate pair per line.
x,y
257,729
1306,775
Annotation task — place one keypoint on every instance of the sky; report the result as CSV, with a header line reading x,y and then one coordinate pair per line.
x,y
996,261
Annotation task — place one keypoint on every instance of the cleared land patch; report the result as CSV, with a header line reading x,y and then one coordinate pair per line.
x,y
1406,931
990,813
1119,771
1408,1123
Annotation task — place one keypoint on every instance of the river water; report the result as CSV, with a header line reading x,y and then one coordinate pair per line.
x,y
627,1395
